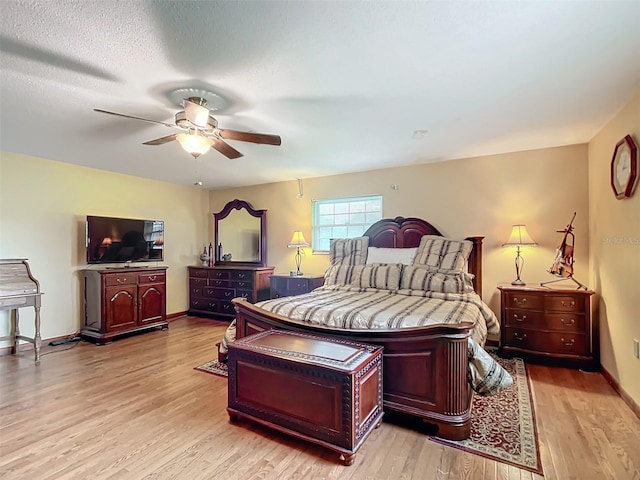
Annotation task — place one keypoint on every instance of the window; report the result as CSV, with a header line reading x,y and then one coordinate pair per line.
x,y
342,218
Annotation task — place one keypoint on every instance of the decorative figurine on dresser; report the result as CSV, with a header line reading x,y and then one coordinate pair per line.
x,y
549,325
239,267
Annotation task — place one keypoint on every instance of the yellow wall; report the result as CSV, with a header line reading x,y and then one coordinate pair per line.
x,y
615,253
43,205
478,196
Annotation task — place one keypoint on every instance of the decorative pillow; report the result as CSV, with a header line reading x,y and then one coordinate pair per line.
x,y
423,278
338,274
348,251
379,275
440,253
391,255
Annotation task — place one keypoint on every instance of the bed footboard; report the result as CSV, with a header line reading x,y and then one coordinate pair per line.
x,y
424,369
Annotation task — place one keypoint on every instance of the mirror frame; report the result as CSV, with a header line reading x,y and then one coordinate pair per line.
x,y
261,214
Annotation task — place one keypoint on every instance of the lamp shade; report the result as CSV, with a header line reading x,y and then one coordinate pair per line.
x,y
194,144
519,237
298,240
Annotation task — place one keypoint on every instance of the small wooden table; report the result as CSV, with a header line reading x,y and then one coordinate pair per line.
x,y
326,391
19,289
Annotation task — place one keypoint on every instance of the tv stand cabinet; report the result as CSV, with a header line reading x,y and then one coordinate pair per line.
x,y
118,301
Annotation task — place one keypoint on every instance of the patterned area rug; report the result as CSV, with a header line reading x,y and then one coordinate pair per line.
x,y
215,367
503,426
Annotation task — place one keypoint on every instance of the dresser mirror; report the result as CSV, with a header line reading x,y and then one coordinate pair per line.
x,y
240,235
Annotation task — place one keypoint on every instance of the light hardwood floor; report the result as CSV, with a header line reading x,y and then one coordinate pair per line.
x,y
136,409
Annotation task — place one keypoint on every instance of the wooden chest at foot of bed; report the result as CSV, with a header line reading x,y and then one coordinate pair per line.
x,y
326,391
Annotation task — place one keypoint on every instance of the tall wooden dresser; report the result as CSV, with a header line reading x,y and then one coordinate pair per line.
x,y
212,288
550,325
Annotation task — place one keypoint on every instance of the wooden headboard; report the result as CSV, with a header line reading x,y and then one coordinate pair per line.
x,y
403,232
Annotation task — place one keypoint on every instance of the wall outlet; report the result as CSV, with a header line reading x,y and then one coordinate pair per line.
x,y
636,348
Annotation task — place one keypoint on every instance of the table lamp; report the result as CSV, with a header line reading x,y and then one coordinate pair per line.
x,y
519,238
297,242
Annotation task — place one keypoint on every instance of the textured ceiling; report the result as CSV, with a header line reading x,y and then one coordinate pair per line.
x,y
345,84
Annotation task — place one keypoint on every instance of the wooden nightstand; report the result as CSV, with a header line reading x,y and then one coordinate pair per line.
x,y
549,325
286,285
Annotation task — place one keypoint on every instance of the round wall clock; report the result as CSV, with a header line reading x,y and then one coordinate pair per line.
x,y
624,167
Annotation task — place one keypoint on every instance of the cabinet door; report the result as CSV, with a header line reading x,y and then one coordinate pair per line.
x,y
120,307
151,303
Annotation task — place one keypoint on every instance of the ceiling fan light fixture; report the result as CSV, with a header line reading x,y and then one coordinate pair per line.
x,y
194,144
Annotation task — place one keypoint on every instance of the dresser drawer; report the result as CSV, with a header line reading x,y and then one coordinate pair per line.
x,y
524,301
299,286
565,303
241,275
519,318
243,284
247,294
226,307
568,343
120,279
198,272
567,322
219,274
197,282
151,277
203,304
220,283
538,320
221,293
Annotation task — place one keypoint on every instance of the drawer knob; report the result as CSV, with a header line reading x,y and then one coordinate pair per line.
x,y
519,319
241,275
227,294
571,321
566,343
218,282
152,277
568,304
519,301
520,337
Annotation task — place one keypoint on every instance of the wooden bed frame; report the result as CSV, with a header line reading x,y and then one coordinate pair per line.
x,y
424,368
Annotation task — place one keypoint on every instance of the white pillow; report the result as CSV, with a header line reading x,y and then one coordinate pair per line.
x,y
391,255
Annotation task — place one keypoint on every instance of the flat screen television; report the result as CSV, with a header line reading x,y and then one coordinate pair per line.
x,y
122,240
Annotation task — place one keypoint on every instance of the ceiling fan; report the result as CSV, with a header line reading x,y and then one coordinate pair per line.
x,y
201,131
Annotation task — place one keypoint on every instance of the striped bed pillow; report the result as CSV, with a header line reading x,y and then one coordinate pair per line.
x,y
440,253
348,251
423,278
377,275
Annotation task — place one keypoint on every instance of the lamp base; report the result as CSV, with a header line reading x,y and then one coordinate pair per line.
x,y
517,281
294,273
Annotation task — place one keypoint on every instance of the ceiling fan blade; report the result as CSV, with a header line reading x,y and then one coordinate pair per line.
x,y
225,149
197,114
135,118
161,141
250,137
